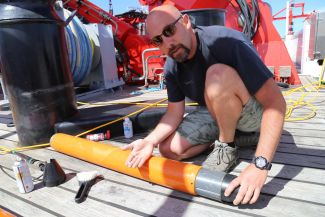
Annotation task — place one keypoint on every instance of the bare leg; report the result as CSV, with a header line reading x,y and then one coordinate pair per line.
x,y
225,95
177,147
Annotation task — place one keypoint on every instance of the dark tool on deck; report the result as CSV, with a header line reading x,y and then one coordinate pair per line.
x,y
86,180
53,174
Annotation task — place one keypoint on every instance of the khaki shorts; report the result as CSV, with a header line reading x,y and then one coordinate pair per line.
x,y
199,127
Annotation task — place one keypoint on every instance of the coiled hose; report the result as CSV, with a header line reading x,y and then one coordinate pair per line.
x,y
80,49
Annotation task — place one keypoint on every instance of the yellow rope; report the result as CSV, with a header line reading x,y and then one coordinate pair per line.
x,y
6,151
24,148
129,103
122,118
290,109
3,150
301,102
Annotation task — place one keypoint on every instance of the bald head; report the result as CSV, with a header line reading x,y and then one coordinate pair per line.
x,y
164,9
171,31
161,15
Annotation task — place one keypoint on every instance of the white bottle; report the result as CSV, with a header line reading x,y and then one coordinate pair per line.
x,y
128,129
23,177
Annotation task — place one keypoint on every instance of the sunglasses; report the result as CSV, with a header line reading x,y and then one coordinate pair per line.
x,y
168,31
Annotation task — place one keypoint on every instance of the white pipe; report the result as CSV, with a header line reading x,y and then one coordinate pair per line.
x,y
144,67
287,16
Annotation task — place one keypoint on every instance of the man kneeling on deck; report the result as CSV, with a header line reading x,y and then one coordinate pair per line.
x,y
220,69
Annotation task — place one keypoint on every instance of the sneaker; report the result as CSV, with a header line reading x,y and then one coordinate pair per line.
x,y
222,158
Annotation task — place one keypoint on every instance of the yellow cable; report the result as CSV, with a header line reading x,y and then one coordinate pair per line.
x,y
129,103
290,109
299,88
300,101
122,118
28,147
311,115
4,148
6,151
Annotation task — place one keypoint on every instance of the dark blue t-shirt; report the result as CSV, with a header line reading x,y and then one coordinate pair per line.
x,y
216,44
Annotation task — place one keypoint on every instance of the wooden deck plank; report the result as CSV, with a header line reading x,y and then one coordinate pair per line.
x,y
129,192
301,149
310,161
60,201
304,126
160,195
21,205
295,185
8,135
305,133
310,141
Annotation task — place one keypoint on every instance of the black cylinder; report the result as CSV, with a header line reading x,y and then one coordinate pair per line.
x,y
35,67
225,183
206,16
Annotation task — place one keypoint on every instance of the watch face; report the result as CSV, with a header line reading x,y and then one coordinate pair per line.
x,y
260,162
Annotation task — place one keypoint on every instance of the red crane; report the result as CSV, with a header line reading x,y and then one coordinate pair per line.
x,y
132,43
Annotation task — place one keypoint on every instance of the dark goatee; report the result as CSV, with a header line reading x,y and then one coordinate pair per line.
x,y
182,54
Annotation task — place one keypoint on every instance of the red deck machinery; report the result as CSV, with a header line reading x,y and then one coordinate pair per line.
x,y
128,41
139,60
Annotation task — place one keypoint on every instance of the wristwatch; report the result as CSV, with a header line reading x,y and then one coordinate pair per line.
x,y
261,163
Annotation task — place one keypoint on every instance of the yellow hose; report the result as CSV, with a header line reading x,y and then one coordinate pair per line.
x,y
98,104
4,150
122,118
300,102
295,104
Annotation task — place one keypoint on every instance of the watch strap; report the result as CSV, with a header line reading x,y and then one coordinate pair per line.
x,y
267,166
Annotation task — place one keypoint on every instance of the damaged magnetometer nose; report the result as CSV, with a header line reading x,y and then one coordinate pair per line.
x,y
53,174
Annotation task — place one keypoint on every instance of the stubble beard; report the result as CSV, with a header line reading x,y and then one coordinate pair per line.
x,y
182,53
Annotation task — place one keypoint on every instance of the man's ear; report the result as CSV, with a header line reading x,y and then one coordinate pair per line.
x,y
187,20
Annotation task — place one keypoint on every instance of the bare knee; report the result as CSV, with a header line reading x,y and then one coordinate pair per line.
x,y
164,150
223,81
167,152
216,71
219,77
171,149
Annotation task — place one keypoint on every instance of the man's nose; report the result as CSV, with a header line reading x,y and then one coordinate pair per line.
x,y
167,42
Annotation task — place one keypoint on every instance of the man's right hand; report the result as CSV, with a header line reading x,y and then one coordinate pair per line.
x,y
141,151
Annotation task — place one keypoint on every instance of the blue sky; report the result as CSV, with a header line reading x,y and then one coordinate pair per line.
x,y
121,6
310,5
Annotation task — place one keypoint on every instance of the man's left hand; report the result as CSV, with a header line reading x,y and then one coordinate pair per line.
x,y
251,181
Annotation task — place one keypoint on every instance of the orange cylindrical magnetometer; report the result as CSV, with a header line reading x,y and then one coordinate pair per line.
x,y
4,213
173,174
